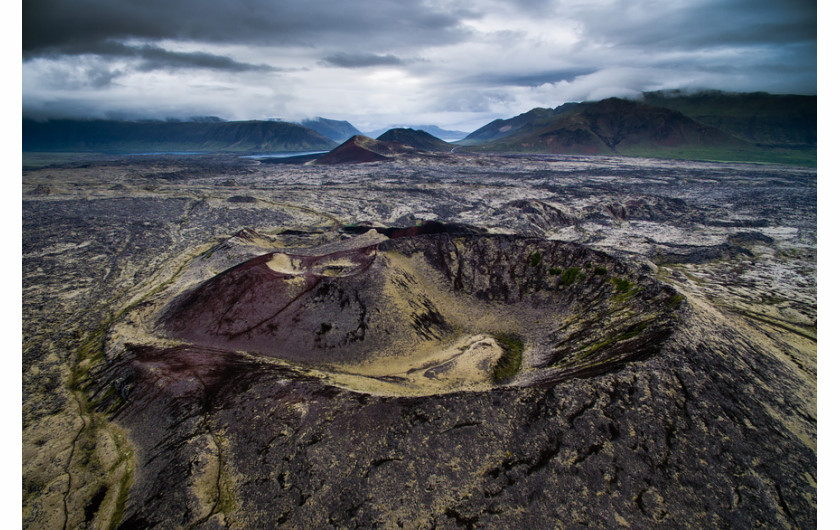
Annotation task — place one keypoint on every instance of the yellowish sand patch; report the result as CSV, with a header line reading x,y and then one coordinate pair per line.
x,y
284,264
465,364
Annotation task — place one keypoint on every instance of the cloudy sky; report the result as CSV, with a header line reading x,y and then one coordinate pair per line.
x,y
455,63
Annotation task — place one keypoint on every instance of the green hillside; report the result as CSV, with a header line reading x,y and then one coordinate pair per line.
x,y
708,126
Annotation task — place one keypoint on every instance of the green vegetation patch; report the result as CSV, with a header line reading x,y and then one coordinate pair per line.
x,y
624,289
622,285
123,486
674,301
629,334
600,271
511,360
226,503
569,276
535,258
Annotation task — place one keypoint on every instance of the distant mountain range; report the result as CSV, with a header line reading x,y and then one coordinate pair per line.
x,y
765,119
756,127
106,136
338,131
434,130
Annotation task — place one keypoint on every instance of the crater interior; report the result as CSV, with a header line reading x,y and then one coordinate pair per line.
x,y
418,313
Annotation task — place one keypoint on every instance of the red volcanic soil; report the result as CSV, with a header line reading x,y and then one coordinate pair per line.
x,y
371,301
262,304
350,154
356,150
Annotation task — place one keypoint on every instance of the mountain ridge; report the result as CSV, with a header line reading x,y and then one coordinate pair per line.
x,y
753,127
759,117
336,130
433,130
705,125
418,139
151,136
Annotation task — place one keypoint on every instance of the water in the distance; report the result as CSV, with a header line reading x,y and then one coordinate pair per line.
x,y
260,156
158,153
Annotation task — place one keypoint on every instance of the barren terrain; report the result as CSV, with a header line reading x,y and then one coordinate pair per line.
x,y
448,340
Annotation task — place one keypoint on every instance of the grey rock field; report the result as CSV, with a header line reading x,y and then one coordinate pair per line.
x,y
446,340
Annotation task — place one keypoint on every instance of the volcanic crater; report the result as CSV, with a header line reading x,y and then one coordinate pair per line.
x,y
428,310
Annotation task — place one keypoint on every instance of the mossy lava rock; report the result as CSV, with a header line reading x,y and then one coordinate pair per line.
x,y
446,379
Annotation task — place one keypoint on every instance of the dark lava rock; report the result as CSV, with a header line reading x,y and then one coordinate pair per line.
x,y
700,254
41,190
242,199
424,228
541,214
750,238
633,407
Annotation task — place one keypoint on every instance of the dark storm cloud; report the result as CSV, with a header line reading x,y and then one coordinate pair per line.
x,y
471,59
361,60
704,23
58,26
532,79
156,58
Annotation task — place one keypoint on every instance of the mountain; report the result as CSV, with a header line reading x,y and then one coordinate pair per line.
x,y
759,128
361,149
420,140
150,136
758,117
395,142
434,130
611,126
531,120
338,131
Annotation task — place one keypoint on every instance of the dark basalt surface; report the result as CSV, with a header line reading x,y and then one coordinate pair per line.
x,y
662,446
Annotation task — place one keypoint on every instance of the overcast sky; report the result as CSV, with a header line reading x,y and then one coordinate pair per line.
x,y
458,64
